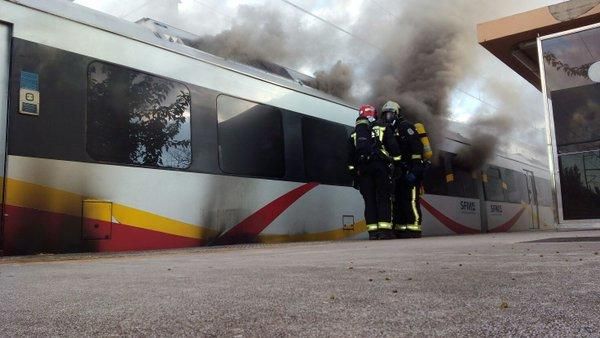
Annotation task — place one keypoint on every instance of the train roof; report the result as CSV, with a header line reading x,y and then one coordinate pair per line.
x,y
90,17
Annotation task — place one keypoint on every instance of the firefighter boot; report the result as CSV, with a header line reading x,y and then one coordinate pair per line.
x,y
414,231
373,231
386,234
400,231
385,230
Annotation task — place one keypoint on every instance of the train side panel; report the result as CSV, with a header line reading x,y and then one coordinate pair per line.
x,y
60,197
155,209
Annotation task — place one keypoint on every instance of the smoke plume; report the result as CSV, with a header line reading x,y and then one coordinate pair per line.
x,y
484,140
337,81
421,66
257,35
415,52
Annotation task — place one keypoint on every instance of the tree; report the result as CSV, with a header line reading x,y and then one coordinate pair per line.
x,y
137,118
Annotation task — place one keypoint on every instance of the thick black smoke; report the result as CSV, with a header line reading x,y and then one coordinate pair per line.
x,y
337,81
260,34
423,59
415,52
484,140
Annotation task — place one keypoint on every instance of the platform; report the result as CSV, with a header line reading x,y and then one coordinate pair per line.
x,y
526,284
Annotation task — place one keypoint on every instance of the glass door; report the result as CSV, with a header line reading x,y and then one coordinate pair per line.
x,y
571,83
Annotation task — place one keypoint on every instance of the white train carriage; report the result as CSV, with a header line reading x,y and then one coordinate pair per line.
x,y
507,194
120,140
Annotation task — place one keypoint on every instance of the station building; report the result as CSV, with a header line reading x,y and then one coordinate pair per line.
x,y
557,49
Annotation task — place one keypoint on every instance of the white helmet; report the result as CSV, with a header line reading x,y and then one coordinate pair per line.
x,y
391,106
390,112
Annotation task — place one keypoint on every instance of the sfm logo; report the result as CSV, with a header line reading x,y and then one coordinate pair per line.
x,y
467,206
496,208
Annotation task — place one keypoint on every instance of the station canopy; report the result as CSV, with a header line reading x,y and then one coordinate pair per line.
x,y
513,39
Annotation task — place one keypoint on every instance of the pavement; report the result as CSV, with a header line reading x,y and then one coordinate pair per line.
x,y
515,284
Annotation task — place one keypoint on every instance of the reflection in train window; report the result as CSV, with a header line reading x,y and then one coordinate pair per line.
x,y
137,118
493,187
250,138
514,182
325,151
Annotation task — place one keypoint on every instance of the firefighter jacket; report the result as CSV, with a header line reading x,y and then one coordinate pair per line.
x,y
409,142
386,146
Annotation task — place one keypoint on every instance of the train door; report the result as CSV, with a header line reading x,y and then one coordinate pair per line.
x,y
533,200
4,68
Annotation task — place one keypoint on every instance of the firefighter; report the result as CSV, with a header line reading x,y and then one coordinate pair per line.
x,y
372,153
409,173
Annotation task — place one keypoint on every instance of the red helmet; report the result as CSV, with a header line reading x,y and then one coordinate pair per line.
x,y
368,112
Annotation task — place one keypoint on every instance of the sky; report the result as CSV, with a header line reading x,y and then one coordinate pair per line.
x,y
356,33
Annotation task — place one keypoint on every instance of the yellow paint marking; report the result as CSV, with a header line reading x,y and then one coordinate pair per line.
x,y
332,235
97,210
34,196
146,220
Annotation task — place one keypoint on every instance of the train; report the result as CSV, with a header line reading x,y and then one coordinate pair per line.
x,y
115,139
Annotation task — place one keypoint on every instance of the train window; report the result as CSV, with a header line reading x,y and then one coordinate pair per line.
x,y
514,182
434,181
493,186
250,138
137,118
463,185
325,151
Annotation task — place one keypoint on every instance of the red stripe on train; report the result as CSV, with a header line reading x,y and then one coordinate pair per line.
x,y
30,231
506,226
248,229
462,229
447,221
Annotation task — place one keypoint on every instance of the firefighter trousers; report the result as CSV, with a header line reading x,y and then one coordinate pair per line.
x,y
376,188
407,208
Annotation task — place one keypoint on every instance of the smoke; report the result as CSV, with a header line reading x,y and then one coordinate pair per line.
x,y
484,141
257,35
424,57
418,53
429,52
337,81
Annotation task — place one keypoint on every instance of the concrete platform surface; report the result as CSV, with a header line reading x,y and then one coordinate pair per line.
x,y
479,285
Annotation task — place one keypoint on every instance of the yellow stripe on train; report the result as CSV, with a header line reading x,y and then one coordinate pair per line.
x,y
35,196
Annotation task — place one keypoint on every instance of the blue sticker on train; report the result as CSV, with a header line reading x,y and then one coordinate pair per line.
x,y
30,81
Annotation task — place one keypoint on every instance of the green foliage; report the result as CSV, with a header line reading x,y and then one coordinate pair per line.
x,y
137,118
